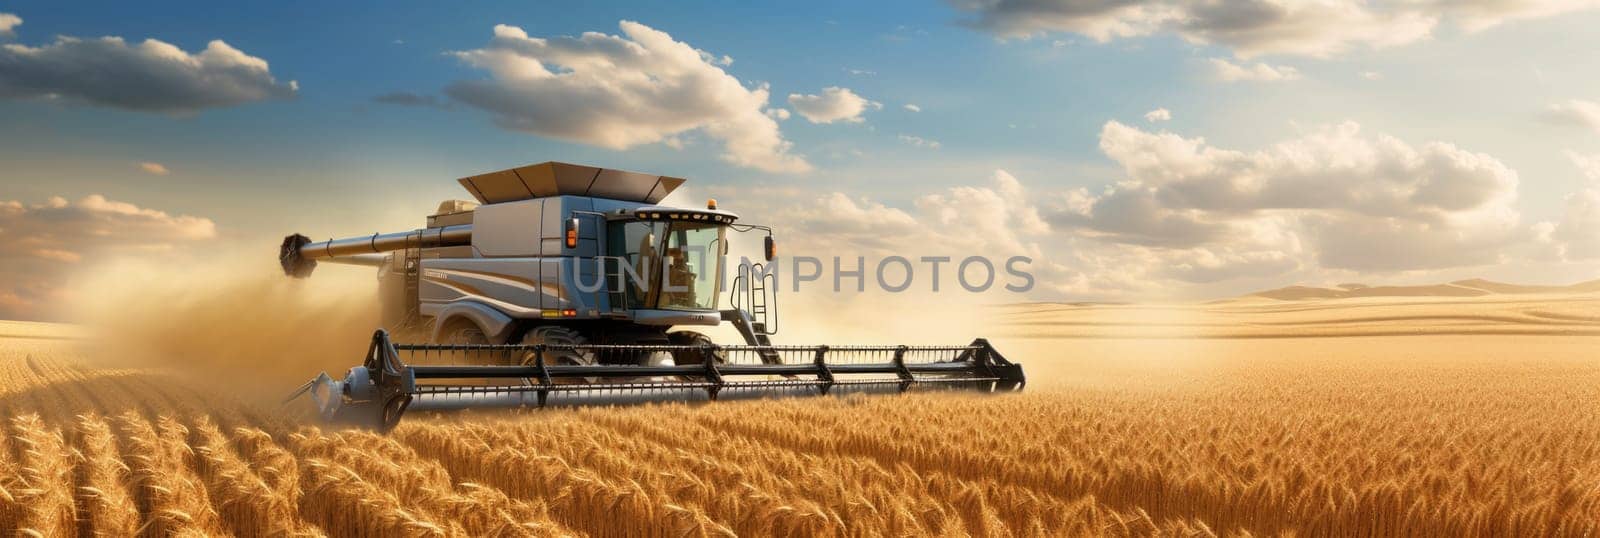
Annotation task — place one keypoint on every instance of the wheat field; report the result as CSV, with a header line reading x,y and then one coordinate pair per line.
x,y
1478,419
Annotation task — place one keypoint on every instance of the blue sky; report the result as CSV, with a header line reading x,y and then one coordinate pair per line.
x,y
1034,104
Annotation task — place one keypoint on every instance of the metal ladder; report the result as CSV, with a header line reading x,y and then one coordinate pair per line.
x,y
758,307
763,319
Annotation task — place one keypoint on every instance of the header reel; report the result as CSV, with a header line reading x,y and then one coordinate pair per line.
x,y
438,377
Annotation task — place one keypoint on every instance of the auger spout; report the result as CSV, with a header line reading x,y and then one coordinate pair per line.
x,y
299,254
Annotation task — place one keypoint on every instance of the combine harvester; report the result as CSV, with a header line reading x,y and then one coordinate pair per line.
x,y
568,285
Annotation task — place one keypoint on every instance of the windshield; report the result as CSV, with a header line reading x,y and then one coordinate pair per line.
x,y
691,258
680,259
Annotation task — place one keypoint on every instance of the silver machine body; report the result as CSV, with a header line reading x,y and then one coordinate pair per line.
x,y
503,263
556,287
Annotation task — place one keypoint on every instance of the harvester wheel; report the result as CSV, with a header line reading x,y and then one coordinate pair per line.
x,y
695,356
463,332
691,338
556,335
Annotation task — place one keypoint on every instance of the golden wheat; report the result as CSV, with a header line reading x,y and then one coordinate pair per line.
x,y
44,488
172,499
464,509
247,503
1308,446
11,508
107,504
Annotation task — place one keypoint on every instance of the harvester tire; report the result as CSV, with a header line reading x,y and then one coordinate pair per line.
x,y
463,332
696,356
556,335
691,338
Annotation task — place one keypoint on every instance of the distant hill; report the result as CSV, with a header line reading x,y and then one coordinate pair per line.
x,y
40,330
1460,288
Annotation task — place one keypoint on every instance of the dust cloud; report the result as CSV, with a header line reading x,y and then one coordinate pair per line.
x,y
236,323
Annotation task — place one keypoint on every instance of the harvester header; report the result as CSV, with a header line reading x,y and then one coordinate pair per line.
x,y
572,284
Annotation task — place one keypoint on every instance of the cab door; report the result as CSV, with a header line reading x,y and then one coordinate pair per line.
x,y
633,257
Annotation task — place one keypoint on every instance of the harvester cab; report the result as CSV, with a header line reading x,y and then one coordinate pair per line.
x,y
568,284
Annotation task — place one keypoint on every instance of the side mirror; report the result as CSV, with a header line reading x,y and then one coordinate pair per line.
x,y
770,248
572,232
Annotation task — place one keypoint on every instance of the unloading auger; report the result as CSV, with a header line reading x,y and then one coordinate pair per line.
x,y
568,285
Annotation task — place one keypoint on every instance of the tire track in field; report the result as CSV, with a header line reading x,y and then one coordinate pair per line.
x,y
36,388
143,404
56,375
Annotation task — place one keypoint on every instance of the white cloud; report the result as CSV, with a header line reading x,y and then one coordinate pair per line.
x,y
1184,215
1474,15
618,92
1001,218
1372,75
1578,233
1228,71
1329,193
833,104
1588,164
920,141
1160,114
1577,112
157,169
1255,27
9,24
153,76
993,218
913,108
1333,167
37,243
